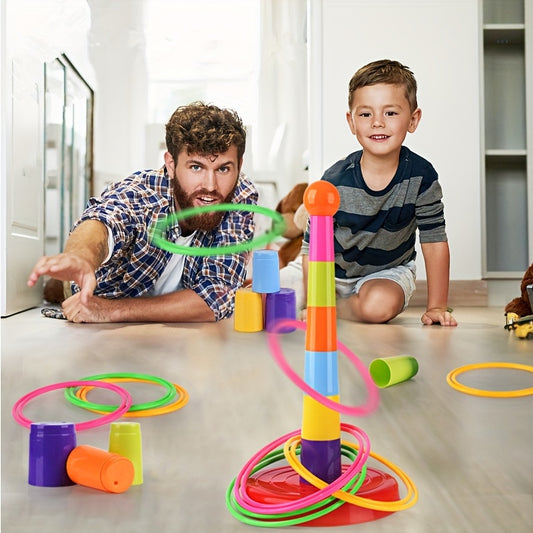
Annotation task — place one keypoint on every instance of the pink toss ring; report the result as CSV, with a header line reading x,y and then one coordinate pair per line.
x,y
358,410
111,417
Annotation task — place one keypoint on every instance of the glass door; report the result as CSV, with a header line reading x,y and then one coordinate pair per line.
x,y
69,149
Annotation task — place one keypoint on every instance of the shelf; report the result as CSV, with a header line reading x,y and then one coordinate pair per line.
x,y
506,153
504,27
503,34
506,182
519,274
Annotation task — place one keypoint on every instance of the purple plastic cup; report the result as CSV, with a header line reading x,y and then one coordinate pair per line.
x,y
50,446
280,305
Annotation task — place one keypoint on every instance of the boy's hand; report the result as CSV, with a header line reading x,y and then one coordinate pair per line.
x,y
440,316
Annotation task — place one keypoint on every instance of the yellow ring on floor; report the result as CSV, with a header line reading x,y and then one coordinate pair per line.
x,y
181,399
451,378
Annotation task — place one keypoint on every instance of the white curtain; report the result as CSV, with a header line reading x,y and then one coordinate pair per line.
x,y
281,136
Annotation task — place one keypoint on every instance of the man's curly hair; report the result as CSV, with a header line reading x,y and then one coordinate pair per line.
x,y
204,129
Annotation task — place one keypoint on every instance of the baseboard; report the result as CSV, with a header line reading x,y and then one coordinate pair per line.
x,y
471,293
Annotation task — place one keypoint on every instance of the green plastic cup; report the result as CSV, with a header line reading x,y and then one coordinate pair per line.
x,y
387,371
125,440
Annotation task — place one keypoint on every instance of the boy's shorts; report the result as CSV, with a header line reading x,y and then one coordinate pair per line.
x,y
403,275
291,277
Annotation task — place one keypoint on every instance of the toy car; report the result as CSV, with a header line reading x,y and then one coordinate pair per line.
x,y
522,326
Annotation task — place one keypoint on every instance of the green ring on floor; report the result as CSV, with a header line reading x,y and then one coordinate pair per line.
x,y
70,392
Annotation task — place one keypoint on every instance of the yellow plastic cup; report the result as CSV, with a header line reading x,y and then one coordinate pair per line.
x,y
125,440
387,371
248,316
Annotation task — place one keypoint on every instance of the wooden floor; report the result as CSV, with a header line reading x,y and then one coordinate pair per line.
x,y
471,458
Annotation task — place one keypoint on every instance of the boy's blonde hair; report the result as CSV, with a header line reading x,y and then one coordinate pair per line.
x,y
384,71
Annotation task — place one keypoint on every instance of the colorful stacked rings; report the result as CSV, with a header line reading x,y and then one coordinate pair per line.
x,y
328,496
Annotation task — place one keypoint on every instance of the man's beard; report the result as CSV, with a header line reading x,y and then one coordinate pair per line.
x,y
203,221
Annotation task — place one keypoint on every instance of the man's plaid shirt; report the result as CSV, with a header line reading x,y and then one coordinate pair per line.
x,y
129,208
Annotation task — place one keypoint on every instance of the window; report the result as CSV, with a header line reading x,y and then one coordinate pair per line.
x,y
203,50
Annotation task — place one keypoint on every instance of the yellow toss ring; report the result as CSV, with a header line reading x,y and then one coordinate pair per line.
x,y
451,378
377,505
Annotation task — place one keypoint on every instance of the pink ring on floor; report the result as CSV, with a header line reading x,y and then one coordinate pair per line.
x,y
111,417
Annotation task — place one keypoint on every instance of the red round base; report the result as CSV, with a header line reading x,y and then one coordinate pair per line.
x,y
283,484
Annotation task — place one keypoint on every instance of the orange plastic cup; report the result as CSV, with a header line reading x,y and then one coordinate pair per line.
x,y
99,469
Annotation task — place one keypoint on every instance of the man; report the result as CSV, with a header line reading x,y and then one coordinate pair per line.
x,y
118,275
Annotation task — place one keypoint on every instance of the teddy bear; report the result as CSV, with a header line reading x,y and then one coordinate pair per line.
x,y
295,215
521,306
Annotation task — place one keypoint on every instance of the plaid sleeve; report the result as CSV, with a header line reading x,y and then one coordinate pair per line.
x,y
127,209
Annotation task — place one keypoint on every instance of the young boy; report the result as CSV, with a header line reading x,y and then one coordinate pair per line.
x,y
387,192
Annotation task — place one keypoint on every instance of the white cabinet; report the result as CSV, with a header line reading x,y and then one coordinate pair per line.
x,y
507,183
21,179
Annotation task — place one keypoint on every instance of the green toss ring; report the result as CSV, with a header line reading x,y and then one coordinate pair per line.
x,y
158,230
70,394
292,518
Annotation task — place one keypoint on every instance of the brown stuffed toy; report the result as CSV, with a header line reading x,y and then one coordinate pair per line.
x,y
522,306
295,215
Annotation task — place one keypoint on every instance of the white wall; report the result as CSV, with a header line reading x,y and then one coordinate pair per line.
x,y
125,142
117,47
439,41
